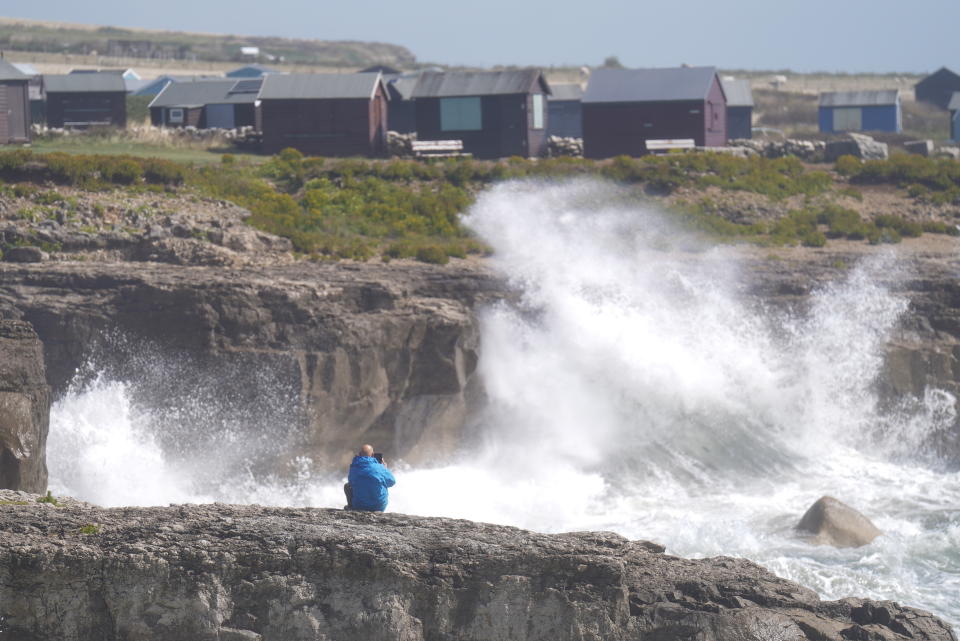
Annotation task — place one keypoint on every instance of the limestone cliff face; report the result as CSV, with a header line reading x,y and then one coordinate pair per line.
x,y
24,409
219,572
368,352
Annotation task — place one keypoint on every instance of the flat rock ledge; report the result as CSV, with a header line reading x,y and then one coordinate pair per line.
x,y
245,573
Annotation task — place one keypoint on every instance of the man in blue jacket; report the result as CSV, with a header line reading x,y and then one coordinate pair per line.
x,y
367,482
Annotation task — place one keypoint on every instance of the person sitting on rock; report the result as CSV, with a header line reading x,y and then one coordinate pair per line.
x,y
367,482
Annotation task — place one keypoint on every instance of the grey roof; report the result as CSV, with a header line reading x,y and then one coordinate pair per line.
x,y
318,86
566,91
404,84
649,85
478,83
205,92
85,82
9,72
859,98
739,93
954,102
26,67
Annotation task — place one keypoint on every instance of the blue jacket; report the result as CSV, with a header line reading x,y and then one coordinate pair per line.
x,y
369,480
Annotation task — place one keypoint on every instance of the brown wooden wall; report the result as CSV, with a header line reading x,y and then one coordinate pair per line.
x,y
330,127
715,116
108,108
623,128
506,127
14,112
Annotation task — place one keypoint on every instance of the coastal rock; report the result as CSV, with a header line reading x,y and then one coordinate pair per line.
x,y
832,522
24,409
209,572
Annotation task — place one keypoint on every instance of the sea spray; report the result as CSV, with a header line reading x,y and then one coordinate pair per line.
x,y
632,386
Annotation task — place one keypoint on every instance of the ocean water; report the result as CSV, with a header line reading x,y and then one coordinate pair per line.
x,y
630,389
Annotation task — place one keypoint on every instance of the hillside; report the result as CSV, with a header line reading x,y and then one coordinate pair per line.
x,y
134,45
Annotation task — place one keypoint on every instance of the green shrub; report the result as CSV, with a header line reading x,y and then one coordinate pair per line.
x,y
120,171
432,254
813,239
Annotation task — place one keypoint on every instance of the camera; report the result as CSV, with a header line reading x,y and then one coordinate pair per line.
x,y
378,456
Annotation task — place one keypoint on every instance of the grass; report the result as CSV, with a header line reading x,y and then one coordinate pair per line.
x,y
110,147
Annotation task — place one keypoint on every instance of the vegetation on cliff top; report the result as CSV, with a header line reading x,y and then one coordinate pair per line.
x,y
352,208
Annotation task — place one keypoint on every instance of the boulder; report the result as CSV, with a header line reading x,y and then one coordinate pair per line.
x,y
919,147
24,409
949,152
832,522
859,145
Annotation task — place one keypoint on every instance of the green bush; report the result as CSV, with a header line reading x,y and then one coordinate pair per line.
x,y
432,254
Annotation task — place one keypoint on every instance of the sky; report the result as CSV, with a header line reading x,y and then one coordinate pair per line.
x,y
813,35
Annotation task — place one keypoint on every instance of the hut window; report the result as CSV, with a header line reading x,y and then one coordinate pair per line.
x,y
847,119
176,115
460,114
538,111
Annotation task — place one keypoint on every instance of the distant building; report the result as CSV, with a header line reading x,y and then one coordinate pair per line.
x,y
860,111
155,86
624,108
324,114
565,110
954,107
83,100
495,114
250,71
403,108
207,104
250,52
14,105
739,96
938,87
34,89
386,70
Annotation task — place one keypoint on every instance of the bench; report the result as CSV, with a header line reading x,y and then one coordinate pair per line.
x,y
437,148
669,144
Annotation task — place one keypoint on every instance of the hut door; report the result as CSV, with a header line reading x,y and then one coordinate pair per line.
x,y
16,103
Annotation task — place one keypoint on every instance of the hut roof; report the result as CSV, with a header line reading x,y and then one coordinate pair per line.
x,y
739,93
649,85
319,86
448,84
10,72
208,92
859,98
85,82
954,102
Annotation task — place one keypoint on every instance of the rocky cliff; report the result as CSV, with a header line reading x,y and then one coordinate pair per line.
x,y
383,353
217,572
24,409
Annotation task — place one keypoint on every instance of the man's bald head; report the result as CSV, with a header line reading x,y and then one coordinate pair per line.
x,y
366,450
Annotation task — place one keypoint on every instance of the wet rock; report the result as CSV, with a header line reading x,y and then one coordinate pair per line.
x,y
832,522
24,409
279,574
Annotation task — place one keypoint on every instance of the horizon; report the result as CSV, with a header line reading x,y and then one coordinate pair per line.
x,y
857,40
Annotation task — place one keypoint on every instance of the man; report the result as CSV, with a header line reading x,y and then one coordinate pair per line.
x,y
367,482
